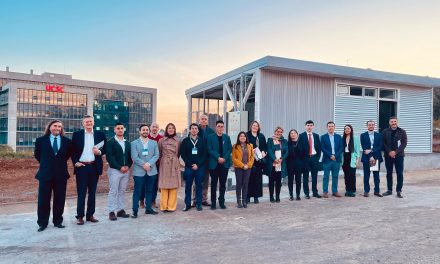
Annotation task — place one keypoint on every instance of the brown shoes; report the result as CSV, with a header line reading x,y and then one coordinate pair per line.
x,y
336,194
112,216
79,221
92,219
325,195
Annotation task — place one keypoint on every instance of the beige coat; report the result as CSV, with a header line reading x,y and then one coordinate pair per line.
x,y
169,169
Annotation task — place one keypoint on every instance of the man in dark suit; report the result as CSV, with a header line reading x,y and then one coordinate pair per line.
x,y
88,147
118,154
371,143
394,144
313,145
219,161
332,148
52,152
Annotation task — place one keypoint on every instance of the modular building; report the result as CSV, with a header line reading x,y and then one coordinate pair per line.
x,y
29,101
287,92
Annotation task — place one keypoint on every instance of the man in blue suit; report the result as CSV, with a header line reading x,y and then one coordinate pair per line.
x,y
371,143
219,154
332,148
88,146
52,152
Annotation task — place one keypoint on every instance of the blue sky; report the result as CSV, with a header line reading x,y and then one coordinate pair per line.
x,y
174,45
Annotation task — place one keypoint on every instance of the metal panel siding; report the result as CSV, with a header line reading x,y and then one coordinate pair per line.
x,y
288,100
415,116
355,111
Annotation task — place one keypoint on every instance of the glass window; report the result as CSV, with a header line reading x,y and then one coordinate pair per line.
x,y
370,92
340,90
355,91
388,94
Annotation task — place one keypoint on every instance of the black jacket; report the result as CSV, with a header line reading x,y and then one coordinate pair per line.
x,y
389,145
78,146
116,158
304,140
51,165
186,152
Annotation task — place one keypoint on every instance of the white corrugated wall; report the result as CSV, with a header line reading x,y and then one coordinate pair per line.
x,y
415,116
288,100
355,111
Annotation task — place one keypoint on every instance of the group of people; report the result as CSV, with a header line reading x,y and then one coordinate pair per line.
x,y
154,161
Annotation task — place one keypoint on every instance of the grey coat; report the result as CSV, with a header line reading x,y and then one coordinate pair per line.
x,y
139,159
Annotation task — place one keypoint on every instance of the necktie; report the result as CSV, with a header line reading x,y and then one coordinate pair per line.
x,y
310,144
55,145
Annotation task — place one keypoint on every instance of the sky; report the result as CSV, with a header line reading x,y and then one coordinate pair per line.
x,y
175,45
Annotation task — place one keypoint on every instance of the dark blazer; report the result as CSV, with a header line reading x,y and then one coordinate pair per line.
x,y
316,142
213,151
78,146
186,152
261,140
116,158
297,152
327,148
51,165
205,135
376,149
271,156
388,145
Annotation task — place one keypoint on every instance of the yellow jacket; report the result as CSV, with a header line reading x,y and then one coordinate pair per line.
x,y
237,156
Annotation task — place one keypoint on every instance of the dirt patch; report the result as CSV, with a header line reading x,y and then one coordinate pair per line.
x,y
18,183
436,143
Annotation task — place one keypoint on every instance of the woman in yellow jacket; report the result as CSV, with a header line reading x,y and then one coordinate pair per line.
x,y
242,160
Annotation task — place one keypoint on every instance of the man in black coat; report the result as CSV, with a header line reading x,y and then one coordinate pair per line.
x,y
88,146
52,152
312,145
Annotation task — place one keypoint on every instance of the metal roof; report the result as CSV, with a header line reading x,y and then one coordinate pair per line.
x,y
321,69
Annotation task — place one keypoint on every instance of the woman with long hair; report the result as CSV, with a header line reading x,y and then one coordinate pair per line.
x,y
277,152
350,160
258,141
295,163
242,160
169,171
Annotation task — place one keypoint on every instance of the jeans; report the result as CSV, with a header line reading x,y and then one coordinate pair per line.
x,y
376,178
191,176
333,167
139,187
398,164
220,175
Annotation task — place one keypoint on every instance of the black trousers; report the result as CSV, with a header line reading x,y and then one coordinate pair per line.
x,y
310,165
349,173
86,182
218,175
255,186
294,173
275,181
45,189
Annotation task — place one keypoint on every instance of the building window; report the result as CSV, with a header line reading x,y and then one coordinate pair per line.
x,y
342,90
98,128
115,117
98,117
370,92
355,91
388,94
106,129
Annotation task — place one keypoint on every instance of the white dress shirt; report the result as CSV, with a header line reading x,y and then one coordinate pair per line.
x,y
121,143
87,153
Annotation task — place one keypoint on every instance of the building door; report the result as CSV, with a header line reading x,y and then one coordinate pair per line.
x,y
387,109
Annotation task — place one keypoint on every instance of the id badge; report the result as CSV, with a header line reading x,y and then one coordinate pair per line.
x,y
194,151
145,152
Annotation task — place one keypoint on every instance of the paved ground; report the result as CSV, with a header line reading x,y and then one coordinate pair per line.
x,y
335,230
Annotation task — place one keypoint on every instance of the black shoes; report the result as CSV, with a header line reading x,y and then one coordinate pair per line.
x,y
244,205
193,204
291,198
213,206
298,198
186,208
222,204
399,195
378,194
366,194
199,207
272,200
277,200
60,226
134,215
316,195
151,212
387,193
255,200
239,205
205,203
112,216
42,228
307,196
122,214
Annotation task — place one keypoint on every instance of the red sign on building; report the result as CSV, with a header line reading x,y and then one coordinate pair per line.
x,y
55,88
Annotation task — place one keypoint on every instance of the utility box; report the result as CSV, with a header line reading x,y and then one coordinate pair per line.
x,y
237,121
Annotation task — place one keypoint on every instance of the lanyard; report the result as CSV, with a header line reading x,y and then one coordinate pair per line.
x,y
194,143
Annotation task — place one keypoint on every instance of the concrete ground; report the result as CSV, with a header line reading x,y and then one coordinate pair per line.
x,y
335,230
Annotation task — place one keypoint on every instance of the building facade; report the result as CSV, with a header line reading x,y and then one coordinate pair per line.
x,y
287,92
28,102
